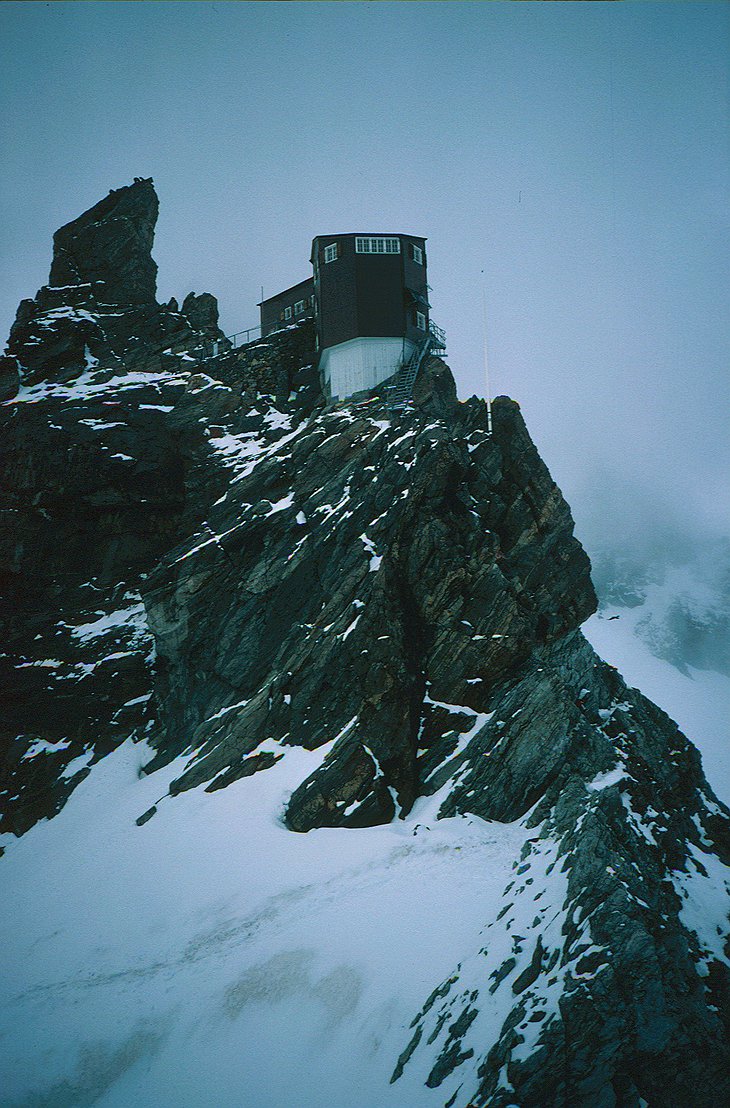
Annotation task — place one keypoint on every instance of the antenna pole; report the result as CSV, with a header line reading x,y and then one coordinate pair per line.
x,y
486,355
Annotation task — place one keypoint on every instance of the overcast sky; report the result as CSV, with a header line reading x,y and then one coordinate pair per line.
x,y
576,153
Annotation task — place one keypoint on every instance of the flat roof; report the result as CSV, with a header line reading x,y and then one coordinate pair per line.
x,y
284,292
365,235
369,235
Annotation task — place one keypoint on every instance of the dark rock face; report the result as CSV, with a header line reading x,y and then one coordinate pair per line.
x,y
99,307
109,247
606,991
196,551
435,388
373,573
202,313
100,458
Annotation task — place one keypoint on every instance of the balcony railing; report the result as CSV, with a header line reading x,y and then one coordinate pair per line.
x,y
438,338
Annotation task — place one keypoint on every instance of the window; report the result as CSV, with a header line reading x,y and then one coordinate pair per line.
x,y
299,307
287,313
420,321
330,252
377,246
311,301
417,253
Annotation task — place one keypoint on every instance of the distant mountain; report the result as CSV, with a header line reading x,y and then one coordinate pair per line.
x,y
664,620
314,791
685,597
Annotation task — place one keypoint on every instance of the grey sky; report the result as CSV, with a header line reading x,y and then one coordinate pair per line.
x,y
576,152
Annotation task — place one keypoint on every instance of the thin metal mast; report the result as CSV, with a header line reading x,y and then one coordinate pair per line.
x,y
486,355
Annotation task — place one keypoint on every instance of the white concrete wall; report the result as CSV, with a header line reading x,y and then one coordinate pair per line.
x,y
360,364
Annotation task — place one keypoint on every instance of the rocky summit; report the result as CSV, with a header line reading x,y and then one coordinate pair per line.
x,y
204,562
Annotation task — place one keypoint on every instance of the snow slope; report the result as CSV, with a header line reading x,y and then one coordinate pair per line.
x,y
698,700
211,956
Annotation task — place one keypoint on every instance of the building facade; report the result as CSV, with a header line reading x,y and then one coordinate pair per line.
x,y
290,306
369,298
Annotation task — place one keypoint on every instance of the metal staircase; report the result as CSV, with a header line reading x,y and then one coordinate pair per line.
x,y
401,391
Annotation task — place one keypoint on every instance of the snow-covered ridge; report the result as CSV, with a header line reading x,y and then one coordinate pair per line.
x,y
94,382
699,700
310,947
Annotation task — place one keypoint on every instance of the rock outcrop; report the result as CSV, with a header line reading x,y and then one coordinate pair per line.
x,y
101,437
99,307
109,248
201,313
196,550
375,567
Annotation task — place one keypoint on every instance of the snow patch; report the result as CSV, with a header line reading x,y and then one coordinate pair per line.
x,y
605,780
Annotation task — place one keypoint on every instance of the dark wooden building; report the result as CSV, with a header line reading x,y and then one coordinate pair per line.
x,y
369,297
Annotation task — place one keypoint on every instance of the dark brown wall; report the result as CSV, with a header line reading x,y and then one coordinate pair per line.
x,y
272,310
414,277
365,294
380,299
336,292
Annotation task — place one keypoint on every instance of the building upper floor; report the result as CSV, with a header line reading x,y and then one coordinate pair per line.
x,y
369,285
363,285
290,306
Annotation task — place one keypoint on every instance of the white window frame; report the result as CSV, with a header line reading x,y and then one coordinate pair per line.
x,y
417,254
287,312
299,307
421,321
331,252
365,244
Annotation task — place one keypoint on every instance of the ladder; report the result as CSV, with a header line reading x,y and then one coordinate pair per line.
x,y
401,390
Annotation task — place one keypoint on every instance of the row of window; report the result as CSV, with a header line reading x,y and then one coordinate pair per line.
x,y
377,246
304,306
299,307
374,246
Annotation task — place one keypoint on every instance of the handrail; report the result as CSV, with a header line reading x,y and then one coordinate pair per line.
x,y
433,342
402,388
247,331
437,335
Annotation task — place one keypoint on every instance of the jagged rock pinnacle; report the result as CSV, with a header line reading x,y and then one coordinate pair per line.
x,y
100,305
110,247
201,312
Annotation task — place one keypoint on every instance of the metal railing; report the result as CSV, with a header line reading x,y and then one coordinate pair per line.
x,y
248,335
241,338
401,391
438,338
200,350
398,394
